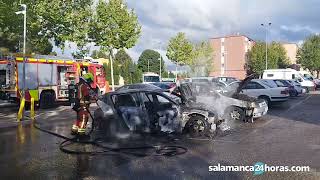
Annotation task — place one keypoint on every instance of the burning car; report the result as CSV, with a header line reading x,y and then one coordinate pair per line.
x,y
154,111
233,105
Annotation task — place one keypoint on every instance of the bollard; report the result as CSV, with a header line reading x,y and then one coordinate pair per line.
x,y
32,113
22,103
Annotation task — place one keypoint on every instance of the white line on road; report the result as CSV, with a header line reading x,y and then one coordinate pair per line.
x,y
297,104
268,122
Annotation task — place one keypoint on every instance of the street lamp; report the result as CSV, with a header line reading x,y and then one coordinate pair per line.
x,y
24,12
266,28
160,58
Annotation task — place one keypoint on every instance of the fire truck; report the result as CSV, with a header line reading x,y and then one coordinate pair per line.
x,y
46,80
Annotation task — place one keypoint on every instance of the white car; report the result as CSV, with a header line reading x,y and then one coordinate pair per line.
x,y
240,108
263,89
297,86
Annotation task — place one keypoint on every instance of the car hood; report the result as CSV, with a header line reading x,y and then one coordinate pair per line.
x,y
186,93
244,83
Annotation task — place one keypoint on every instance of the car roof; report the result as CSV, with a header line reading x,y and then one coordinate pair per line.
x,y
140,86
126,91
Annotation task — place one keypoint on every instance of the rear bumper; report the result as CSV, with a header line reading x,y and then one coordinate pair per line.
x,y
309,88
279,99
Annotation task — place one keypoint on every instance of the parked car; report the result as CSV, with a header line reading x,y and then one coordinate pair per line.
x,y
165,85
289,74
168,80
236,107
285,83
262,89
154,111
308,76
297,87
201,85
227,79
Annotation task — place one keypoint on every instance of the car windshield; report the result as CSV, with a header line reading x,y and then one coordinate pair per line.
x,y
308,77
200,80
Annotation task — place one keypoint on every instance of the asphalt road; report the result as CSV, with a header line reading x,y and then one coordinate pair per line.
x,y
288,135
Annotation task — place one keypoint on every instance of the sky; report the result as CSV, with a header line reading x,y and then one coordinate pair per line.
x,y
292,20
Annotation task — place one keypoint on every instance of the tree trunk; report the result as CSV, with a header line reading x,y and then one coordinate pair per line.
x,y
318,71
176,71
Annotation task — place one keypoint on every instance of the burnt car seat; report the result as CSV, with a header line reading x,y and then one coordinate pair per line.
x,y
130,112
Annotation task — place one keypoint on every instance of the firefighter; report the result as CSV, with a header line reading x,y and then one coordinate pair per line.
x,y
83,94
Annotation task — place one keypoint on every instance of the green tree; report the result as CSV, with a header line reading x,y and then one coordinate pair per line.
x,y
65,21
309,54
171,75
180,50
127,66
152,57
56,20
277,57
98,54
114,27
136,74
202,61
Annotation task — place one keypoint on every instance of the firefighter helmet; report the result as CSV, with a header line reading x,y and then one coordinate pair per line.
x,y
88,77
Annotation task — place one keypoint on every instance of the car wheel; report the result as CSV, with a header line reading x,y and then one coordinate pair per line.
x,y
47,100
235,113
197,126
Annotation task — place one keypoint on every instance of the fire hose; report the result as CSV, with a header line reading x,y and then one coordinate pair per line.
x,y
166,150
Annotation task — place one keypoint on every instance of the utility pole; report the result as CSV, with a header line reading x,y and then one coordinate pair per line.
x,y
160,59
266,29
24,12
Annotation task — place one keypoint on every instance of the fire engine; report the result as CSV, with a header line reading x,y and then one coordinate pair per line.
x,y
46,80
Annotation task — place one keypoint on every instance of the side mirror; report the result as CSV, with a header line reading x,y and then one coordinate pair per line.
x,y
105,108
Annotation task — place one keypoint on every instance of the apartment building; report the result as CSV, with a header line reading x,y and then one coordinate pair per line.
x,y
291,50
230,55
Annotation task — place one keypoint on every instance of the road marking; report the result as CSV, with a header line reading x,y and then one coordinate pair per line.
x,y
268,122
297,104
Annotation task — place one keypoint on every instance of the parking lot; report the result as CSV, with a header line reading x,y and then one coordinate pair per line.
x,y
287,135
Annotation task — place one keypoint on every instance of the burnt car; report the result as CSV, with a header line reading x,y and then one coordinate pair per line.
x,y
154,111
233,105
137,86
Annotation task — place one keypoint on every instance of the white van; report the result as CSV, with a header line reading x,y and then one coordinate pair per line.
x,y
288,74
150,77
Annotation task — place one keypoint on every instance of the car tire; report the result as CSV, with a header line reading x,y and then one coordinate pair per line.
x,y
47,100
235,114
197,126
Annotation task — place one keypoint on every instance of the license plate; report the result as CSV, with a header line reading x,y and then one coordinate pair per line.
x,y
262,104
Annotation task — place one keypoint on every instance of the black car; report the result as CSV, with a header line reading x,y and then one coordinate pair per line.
x,y
138,86
154,111
165,85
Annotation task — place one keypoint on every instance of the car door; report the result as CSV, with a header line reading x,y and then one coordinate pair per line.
x,y
163,112
253,89
129,108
